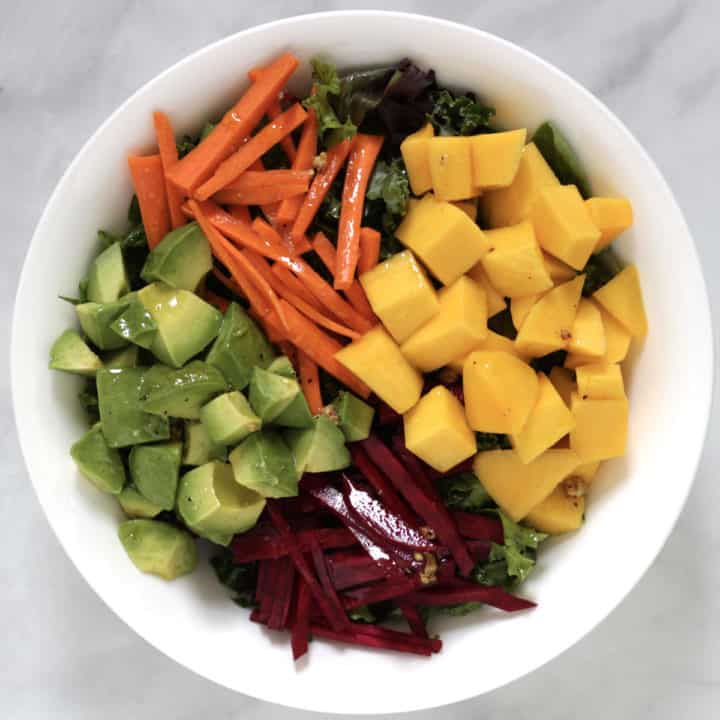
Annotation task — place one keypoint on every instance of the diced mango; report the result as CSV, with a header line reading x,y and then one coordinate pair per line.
x,y
376,360
564,383
549,420
437,432
451,167
400,294
458,327
443,237
496,157
587,471
500,391
548,326
510,205
563,225
612,215
600,382
558,513
588,331
495,301
469,207
600,430
558,271
520,308
622,298
493,341
518,487
414,151
514,262
617,343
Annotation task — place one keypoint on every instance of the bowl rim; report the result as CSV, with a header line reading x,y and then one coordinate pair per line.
x,y
704,318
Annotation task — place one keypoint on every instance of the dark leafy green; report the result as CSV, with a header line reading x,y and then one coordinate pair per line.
x,y
547,362
561,157
464,492
459,114
185,144
600,269
333,126
389,183
362,614
502,324
240,579
88,398
492,441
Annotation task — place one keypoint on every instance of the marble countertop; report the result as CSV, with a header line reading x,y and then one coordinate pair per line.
x,y
65,67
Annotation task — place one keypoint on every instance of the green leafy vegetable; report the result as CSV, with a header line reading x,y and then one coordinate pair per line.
x,y
547,362
207,129
464,492
362,614
389,183
88,398
561,157
600,269
459,610
492,441
502,324
240,579
459,114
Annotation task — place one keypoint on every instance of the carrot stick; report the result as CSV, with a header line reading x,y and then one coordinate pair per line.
x,y
310,382
200,163
307,148
169,156
252,179
220,303
227,282
241,212
369,249
260,188
324,178
289,351
292,283
149,182
268,233
232,167
360,166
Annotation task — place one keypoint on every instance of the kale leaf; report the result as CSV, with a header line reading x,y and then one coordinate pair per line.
x,y
239,578
502,324
464,492
561,157
547,362
389,183
459,114
324,101
492,441
600,269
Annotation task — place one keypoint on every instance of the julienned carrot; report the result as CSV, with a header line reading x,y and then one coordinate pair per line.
x,y
266,186
169,156
291,282
271,235
227,282
241,212
369,249
149,183
306,151
220,303
334,160
289,351
232,167
360,166
310,382
238,122
286,143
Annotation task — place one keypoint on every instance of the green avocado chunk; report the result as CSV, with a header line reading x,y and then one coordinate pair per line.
x,y
98,462
264,463
229,418
96,320
158,548
155,470
135,324
239,347
186,324
282,366
354,416
270,393
126,357
70,353
213,505
121,394
297,414
181,393
320,448
135,505
107,279
198,448
181,259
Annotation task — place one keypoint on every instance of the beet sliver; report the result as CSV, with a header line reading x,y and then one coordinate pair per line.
x,y
321,570
282,593
479,527
271,547
348,571
377,592
413,465
433,644
413,618
469,592
300,633
356,638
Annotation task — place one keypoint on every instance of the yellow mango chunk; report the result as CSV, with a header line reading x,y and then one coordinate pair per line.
x,y
510,205
377,361
557,513
600,382
588,331
500,391
518,487
495,301
443,237
520,308
587,471
400,294
414,151
612,215
563,225
548,325
558,271
455,330
493,341
622,298
564,383
514,262
437,432
549,420
496,157
451,167
617,343
600,430
469,207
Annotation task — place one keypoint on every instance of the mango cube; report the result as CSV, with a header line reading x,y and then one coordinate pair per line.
x,y
437,432
600,382
443,237
617,343
518,487
514,262
549,420
414,151
622,298
510,205
564,383
612,215
495,301
451,167
558,271
600,430
557,513
500,391
469,207
520,308
587,471
376,359
493,341
588,331
496,157
400,294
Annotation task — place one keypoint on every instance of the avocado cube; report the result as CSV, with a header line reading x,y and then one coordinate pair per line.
x,y
282,366
136,325
126,357
120,399
229,418
297,414
96,320
107,279
135,505
354,415
98,462
158,548
155,470
270,394
240,347
320,448
264,463
198,448
70,353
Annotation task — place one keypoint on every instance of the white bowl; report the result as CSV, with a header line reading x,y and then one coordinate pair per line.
x,y
580,579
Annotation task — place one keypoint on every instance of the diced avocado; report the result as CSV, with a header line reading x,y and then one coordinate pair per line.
x,y
282,366
158,548
96,319
71,353
181,259
264,463
98,462
121,394
320,448
126,357
229,418
107,279
186,324
213,505
240,347
297,414
354,416
155,470
270,394
135,505
135,324
198,449
181,393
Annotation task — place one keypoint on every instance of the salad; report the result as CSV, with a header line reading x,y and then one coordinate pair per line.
x,y
366,343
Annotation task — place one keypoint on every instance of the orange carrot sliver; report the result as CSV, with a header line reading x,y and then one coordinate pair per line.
x,y
287,144
262,187
241,212
310,382
292,283
306,151
169,156
149,183
369,249
215,300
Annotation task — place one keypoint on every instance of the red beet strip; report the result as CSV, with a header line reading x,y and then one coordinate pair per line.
x,y
300,633
414,466
369,636
462,592
479,527
350,570
386,590
263,543
282,593
321,570
413,618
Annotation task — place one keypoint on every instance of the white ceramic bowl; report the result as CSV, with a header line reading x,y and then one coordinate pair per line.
x,y
580,579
